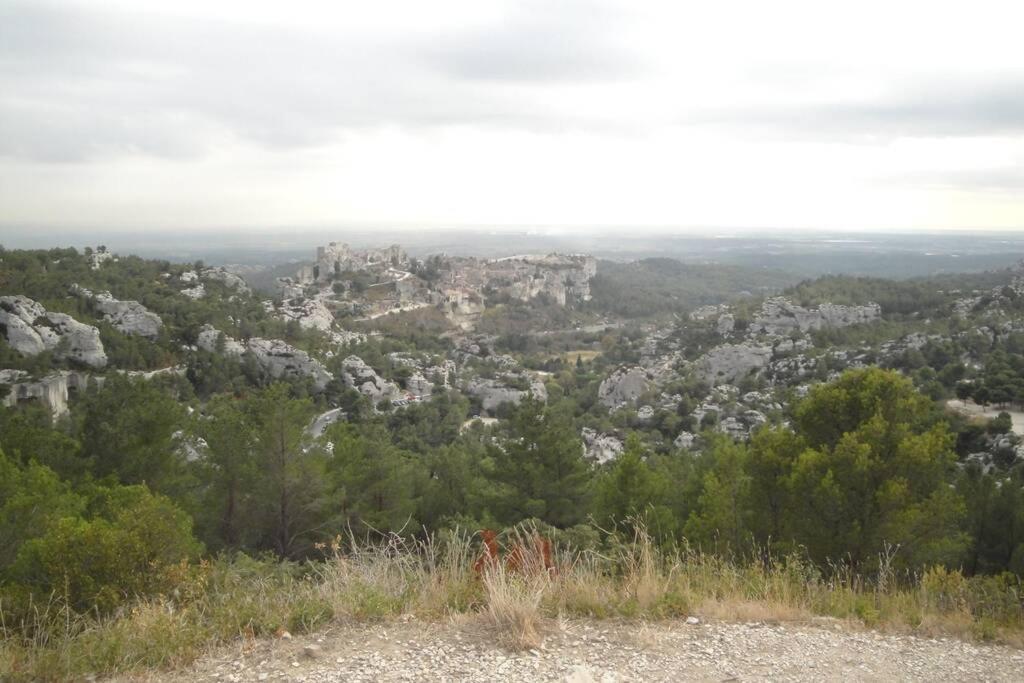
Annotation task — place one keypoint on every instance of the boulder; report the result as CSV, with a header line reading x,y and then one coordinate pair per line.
x,y
281,360
221,274
729,363
197,292
208,338
734,428
129,317
30,330
685,440
492,393
623,386
600,448
308,313
359,376
419,385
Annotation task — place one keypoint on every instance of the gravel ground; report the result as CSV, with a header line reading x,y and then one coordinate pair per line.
x,y
580,652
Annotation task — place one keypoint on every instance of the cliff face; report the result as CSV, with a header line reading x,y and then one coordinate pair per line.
x,y
51,391
563,278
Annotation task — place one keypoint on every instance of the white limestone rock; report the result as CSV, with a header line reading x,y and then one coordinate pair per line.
x,y
51,390
30,330
623,386
208,341
493,393
231,280
194,293
734,428
359,376
600,448
308,313
418,385
282,360
685,440
729,363
780,316
129,316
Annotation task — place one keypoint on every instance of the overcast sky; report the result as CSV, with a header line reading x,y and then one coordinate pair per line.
x,y
190,114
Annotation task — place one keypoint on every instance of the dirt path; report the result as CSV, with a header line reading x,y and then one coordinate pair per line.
x,y
972,409
580,652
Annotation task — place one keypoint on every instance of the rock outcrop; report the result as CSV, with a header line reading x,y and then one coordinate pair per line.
x,y
600,448
623,386
30,330
229,279
492,393
51,390
359,376
780,316
729,363
281,360
208,340
685,440
418,385
195,293
308,313
128,317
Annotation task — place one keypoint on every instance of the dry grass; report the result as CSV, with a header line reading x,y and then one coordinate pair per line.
x,y
513,607
585,355
434,579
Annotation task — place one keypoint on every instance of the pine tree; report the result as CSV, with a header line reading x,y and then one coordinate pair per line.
x,y
541,467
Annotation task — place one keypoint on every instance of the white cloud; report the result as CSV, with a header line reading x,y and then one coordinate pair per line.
x,y
786,114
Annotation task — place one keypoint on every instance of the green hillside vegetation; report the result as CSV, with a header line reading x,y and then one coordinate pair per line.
x,y
195,508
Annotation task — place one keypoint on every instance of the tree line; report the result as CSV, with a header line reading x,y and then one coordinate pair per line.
x,y
106,507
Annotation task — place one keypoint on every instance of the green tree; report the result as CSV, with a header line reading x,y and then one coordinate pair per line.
x,y
289,489
124,548
875,472
541,467
631,491
374,484
28,433
32,498
722,517
129,430
770,459
230,471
